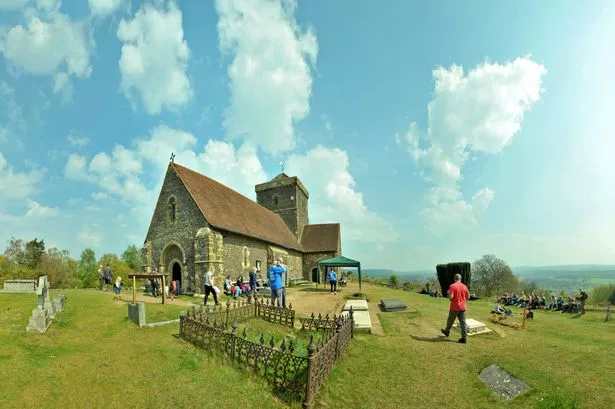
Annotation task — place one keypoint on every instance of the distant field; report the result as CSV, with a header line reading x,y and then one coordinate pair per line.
x,y
93,357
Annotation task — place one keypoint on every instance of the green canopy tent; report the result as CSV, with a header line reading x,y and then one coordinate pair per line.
x,y
341,261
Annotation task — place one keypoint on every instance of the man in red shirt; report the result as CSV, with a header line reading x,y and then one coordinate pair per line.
x,y
458,293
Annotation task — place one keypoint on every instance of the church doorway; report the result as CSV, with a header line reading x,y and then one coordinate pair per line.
x,y
177,273
315,275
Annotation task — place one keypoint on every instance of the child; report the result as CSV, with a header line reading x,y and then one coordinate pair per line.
x,y
117,288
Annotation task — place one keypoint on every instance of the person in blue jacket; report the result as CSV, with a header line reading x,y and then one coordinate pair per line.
x,y
275,275
333,280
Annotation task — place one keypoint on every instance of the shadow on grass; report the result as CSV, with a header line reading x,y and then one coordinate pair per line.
x,y
437,338
317,290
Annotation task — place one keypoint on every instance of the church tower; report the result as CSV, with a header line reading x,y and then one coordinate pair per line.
x,y
286,196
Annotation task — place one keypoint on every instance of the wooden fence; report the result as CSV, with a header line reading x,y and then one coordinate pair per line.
x,y
294,374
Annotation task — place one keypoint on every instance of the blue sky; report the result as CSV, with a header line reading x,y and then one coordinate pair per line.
x,y
433,131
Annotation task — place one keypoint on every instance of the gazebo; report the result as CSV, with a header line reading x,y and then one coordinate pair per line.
x,y
341,261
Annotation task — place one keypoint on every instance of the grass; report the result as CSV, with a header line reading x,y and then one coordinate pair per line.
x,y
93,356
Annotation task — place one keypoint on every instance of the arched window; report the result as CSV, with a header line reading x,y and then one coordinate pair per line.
x,y
171,210
275,200
246,257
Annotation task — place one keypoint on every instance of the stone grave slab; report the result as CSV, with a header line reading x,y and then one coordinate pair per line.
x,y
501,383
357,305
20,286
473,327
391,305
362,321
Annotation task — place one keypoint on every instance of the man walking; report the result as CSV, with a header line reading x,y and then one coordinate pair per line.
x,y
275,275
101,279
108,275
252,284
209,287
333,280
582,298
458,293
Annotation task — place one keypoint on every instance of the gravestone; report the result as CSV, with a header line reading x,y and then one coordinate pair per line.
x,y
390,305
20,286
357,305
136,313
360,314
473,327
501,383
42,314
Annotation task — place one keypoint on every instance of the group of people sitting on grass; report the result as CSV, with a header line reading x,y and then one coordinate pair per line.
x,y
430,292
534,301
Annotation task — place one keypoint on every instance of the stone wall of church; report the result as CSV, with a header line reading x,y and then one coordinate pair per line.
x,y
310,261
241,253
163,231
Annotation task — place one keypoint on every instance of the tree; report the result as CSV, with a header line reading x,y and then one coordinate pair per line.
x,y
394,281
491,275
529,286
15,251
118,267
446,274
131,257
86,270
34,252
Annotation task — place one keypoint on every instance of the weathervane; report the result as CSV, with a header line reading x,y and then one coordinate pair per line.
x,y
282,165
172,157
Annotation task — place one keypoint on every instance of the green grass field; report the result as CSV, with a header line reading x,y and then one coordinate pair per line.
x,y
93,357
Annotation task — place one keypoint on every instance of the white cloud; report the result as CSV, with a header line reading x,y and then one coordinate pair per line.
x,y
78,140
477,112
17,185
100,196
334,197
36,210
90,236
13,4
154,58
76,167
103,8
50,44
270,76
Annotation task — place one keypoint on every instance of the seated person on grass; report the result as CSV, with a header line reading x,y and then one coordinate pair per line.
x,y
228,286
238,287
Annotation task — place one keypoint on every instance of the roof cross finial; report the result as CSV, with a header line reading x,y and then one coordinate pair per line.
x,y
282,165
172,157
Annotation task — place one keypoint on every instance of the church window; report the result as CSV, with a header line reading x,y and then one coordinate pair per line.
x,y
171,210
246,257
275,200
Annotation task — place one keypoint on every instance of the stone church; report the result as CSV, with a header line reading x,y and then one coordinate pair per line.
x,y
199,225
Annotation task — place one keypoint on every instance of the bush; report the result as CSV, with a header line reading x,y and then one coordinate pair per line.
x,y
446,274
603,295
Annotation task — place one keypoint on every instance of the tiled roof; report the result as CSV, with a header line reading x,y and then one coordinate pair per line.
x,y
226,209
318,238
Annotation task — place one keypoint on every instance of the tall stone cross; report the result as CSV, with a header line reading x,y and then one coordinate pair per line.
x,y
282,166
172,157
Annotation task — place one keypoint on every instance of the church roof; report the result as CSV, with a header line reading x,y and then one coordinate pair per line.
x,y
226,209
317,238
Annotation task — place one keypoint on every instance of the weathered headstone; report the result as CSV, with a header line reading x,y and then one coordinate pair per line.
x,y
20,286
45,309
501,383
136,313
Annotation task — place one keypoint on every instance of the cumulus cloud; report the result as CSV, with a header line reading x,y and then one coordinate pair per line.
x,y
479,112
104,8
78,140
35,210
17,185
334,196
50,43
270,74
13,4
154,58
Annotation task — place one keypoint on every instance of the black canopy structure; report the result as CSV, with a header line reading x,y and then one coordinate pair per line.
x,y
341,261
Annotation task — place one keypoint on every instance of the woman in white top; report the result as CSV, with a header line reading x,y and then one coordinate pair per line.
x,y
209,287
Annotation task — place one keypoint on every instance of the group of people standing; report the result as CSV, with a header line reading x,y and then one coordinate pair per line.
x,y
105,277
275,276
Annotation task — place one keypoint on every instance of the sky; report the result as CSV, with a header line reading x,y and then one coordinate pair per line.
x,y
433,131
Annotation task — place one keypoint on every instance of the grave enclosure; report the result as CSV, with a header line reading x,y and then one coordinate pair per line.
x,y
19,286
294,374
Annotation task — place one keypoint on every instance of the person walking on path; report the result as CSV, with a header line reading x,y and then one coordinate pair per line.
x,y
458,293
101,278
108,275
209,287
275,274
333,280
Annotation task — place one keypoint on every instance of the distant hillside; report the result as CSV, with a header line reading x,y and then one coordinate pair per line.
x,y
555,278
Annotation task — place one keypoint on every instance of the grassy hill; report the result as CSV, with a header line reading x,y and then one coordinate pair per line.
x,y
92,356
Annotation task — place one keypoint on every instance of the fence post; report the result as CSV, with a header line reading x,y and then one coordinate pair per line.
x,y
338,327
233,337
351,323
311,348
228,308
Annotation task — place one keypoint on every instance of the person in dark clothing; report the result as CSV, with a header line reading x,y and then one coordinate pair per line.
x,y
252,283
210,287
108,276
